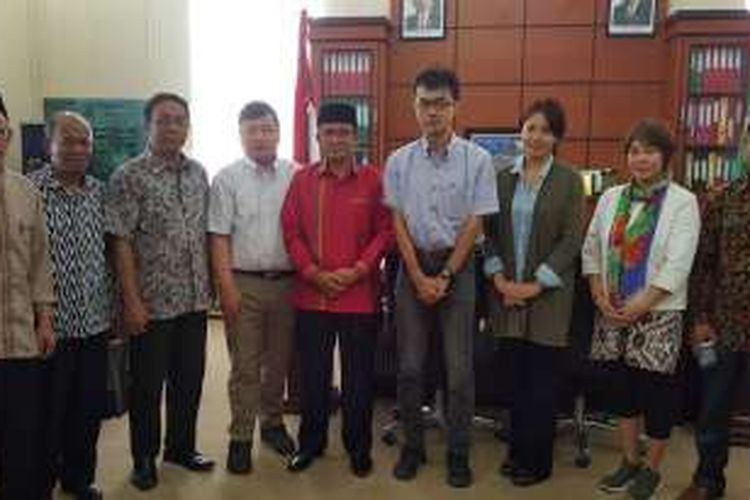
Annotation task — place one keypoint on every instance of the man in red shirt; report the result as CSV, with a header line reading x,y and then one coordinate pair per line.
x,y
336,230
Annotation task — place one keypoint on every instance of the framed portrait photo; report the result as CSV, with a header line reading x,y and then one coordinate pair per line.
x,y
422,19
503,145
632,17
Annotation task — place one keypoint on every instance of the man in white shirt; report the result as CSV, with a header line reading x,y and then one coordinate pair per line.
x,y
254,277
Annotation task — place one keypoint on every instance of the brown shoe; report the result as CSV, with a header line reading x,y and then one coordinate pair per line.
x,y
694,492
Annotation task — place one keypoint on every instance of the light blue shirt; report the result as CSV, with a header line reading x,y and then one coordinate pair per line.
x,y
437,193
522,220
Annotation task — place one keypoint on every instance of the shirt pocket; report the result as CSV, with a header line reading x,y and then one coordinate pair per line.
x,y
454,200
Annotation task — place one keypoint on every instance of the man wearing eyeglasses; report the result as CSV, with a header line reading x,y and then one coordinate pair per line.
x,y
254,278
438,187
26,332
156,212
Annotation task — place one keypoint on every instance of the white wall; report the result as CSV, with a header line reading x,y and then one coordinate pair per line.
x,y
15,70
112,48
706,4
344,8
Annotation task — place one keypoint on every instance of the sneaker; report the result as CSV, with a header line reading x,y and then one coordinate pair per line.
x,y
408,463
618,481
459,471
644,485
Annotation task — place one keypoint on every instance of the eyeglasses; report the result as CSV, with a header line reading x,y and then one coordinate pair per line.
x,y
5,133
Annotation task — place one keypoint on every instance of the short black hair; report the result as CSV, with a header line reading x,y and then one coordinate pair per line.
x,y
436,78
552,111
337,112
156,99
652,132
256,110
3,109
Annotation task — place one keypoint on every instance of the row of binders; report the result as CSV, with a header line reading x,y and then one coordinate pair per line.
x,y
347,72
714,121
716,69
712,169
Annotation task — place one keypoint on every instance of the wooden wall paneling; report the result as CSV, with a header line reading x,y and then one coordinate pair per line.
x,y
400,119
558,54
616,107
474,13
408,57
607,154
575,99
633,59
574,152
489,107
560,12
490,55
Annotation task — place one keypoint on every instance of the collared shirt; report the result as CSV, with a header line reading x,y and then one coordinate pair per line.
x,y
75,223
26,280
331,223
522,219
720,283
437,193
162,209
246,204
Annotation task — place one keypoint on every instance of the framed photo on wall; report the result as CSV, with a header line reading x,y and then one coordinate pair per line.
x,y
503,145
422,19
632,17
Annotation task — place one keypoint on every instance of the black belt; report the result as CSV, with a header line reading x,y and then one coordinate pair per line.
x,y
267,275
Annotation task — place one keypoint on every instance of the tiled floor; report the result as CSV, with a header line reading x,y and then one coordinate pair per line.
x,y
330,479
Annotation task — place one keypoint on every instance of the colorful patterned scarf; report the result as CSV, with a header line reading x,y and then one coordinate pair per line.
x,y
630,243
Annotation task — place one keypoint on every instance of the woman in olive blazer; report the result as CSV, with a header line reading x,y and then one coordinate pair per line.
x,y
531,250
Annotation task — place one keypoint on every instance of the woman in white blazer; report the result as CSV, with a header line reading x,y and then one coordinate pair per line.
x,y
637,255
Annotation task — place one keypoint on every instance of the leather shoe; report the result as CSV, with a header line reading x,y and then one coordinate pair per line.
x,y
279,440
361,465
507,468
695,492
86,493
409,463
239,457
143,476
302,460
459,471
524,478
194,461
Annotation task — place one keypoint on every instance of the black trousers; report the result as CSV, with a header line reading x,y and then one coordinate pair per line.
x,y
535,373
75,398
316,336
171,351
21,443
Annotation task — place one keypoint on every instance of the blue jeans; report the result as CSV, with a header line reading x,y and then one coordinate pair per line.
x,y
718,387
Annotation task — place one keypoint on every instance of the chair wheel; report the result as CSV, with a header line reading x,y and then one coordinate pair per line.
x,y
389,438
583,462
